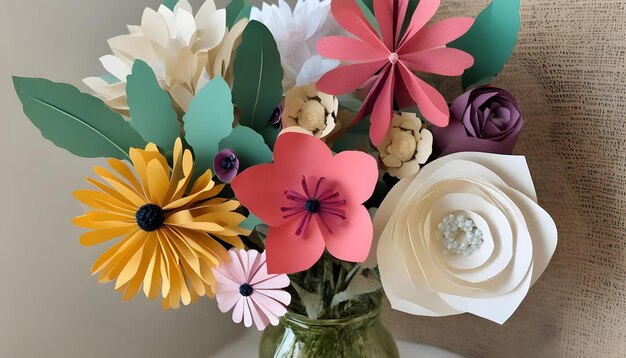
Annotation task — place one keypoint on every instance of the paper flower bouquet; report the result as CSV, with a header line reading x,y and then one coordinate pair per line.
x,y
302,160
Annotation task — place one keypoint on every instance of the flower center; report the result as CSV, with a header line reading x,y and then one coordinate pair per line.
x,y
277,115
312,116
312,205
324,202
460,243
149,217
393,58
245,289
228,163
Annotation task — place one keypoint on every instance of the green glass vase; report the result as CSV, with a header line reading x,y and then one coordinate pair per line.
x,y
356,336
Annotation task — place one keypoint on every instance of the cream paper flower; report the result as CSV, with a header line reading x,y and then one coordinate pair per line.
x,y
296,33
313,111
184,52
408,145
464,235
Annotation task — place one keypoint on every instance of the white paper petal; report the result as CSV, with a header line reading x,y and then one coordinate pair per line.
x,y
116,67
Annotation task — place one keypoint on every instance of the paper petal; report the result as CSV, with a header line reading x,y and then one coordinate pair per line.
x,y
346,79
438,34
350,17
440,61
351,241
347,48
288,253
431,103
423,13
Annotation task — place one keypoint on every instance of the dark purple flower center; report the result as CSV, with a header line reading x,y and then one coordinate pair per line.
x,y
245,289
275,119
149,217
324,202
228,162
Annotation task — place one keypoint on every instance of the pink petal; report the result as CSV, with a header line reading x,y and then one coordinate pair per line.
x,y
225,302
266,312
300,154
348,48
402,6
264,200
348,14
352,239
225,279
258,316
279,295
250,259
361,187
383,9
270,281
401,93
288,253
238,311
440,61
345,79
247,315
424,11
438,34
383,110
431,103
235,266
273,306
259,269
372,95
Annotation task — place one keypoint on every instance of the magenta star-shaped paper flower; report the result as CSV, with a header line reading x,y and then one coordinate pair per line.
x,y
311,201
393,58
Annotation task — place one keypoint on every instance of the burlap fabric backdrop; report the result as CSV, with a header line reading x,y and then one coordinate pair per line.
x,y
569,74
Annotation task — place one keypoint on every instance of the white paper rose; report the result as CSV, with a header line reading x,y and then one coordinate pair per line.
x,y
464,235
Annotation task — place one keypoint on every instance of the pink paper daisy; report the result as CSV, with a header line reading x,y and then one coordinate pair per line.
x,y
311,201
244,286
392,58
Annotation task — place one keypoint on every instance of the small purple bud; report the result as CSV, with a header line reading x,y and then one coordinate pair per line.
x,y
226,165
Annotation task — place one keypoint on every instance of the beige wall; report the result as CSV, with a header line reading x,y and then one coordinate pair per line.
x,y
50,306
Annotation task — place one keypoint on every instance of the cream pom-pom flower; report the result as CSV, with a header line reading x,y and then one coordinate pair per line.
x,y
407,146
296,33
464,235
313,111
184,52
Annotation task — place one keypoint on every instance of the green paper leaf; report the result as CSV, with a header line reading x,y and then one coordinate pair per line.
x,y
249,146
257,88
236,10
250,222
490,40
170,4
151,109
209,119
361,284
76,121
312,302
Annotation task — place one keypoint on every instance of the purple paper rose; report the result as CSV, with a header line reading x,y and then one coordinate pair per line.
x,y
485,119
226,165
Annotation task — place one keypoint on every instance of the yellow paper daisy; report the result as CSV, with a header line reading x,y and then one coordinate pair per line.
x,y
172,236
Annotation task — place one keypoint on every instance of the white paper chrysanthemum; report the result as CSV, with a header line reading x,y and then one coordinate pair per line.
x,y
296,33
518,237
184,52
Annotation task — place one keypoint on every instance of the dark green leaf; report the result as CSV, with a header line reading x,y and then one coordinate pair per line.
x,y
236,10
76,121
209,119
257,88
490,40
151,109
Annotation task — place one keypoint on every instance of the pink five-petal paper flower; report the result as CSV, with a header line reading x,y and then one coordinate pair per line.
x,y
311,200
393,59
244,286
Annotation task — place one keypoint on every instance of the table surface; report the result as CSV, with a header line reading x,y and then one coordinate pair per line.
x,y
248,344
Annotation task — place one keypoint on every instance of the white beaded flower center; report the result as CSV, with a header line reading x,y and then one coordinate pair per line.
x,y
460,243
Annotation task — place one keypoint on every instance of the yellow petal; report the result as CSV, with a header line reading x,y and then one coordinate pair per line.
x,y
117,263
157,183
152,278
103,216
122,169
119,192
99,236
112,178
96,199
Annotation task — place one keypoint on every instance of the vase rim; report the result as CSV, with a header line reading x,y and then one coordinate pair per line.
x,y
292,317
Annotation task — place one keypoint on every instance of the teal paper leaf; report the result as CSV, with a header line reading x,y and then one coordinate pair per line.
x,y
236,10
75,121
249,146
251,222
151,109
170,4
257,88
209,119
490,40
